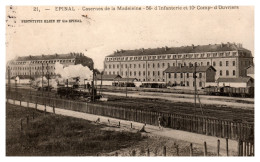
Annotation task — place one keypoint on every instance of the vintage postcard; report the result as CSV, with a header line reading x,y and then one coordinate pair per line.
x,y
130,81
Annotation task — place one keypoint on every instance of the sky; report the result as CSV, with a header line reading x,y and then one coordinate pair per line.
x,y
103,32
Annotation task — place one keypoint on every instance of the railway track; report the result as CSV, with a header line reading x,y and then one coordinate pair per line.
x,y
159,105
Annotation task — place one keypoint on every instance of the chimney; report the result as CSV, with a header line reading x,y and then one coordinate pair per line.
x,y
121,50
30,56
142,49
117,51
222,45
228,44
56,55
192,46
165,48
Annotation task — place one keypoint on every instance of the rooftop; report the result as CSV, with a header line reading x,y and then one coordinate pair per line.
x,y
180,50
107,77
187,69
50,57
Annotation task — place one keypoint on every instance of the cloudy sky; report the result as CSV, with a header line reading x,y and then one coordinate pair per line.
x,y
106,31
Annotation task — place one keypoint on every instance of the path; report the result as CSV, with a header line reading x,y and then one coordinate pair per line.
x,y
196,139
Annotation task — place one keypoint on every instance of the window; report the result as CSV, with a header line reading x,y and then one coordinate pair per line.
x,y
188,75
220,72
227,73
226,63
214,63
220,63
163,65
139,73
175,75
234,63
181,75
143,65
130,73
158,65
113,66
148,65
148,73
200,84
134,65
126,73
173,64
144,73
200,75
153,65
168,64
130,65
117,66
207,63
153,73
201,64
125,65
169,75
234,72
158,73
134,73
188,84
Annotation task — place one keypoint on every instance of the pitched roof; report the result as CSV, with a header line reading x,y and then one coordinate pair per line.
x,y
187,69
126,79
22,77
107,77
49,57
236,80
180,50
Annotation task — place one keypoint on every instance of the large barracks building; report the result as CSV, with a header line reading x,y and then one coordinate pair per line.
x,y
229,60
36,66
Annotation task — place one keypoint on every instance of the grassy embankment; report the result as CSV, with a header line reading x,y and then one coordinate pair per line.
x,y
55,135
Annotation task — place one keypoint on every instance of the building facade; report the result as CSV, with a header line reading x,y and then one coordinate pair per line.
x,y
183,76
147,65
36,66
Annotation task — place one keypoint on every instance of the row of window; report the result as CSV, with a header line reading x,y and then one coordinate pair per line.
x,y
171,56
32,73
227,72
187,83
158,65
32,68
182,75
42,61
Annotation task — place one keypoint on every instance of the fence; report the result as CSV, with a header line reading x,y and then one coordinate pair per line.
x,y
197,124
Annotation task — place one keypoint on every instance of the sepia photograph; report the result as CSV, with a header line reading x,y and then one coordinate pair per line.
x,y
124,81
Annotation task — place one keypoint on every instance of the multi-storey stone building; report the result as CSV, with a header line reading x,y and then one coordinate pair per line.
x,y
148,65
36,66
183,75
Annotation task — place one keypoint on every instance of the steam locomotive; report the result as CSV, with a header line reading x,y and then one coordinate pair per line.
x,y
75,93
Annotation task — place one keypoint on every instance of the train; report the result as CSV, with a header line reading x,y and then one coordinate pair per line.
x,y
230,91
75,93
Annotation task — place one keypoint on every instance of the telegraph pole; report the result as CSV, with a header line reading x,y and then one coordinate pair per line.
x,y
48,77
126,81
30,78
9,81
195,86
93,79
42,79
